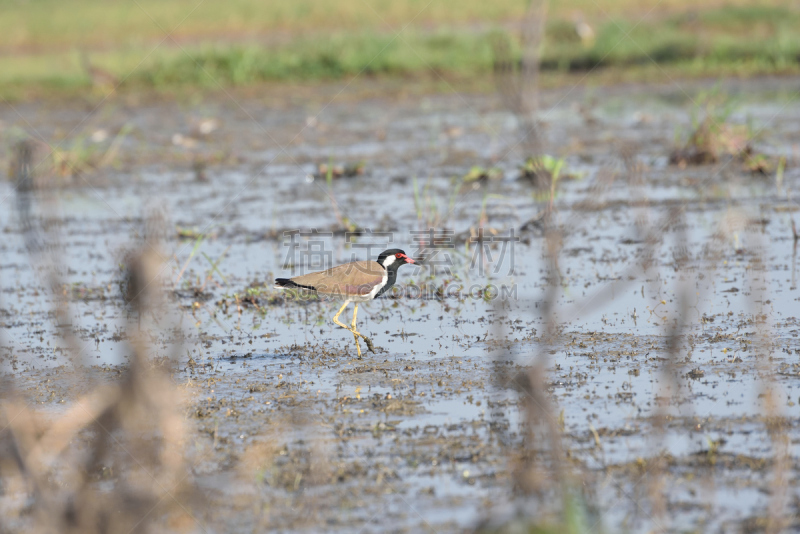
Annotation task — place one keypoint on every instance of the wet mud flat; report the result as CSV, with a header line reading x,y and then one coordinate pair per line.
x,y
670,362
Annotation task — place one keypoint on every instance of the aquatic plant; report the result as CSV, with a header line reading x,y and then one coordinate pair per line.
x,y
713,136
542,171
482,175
330,171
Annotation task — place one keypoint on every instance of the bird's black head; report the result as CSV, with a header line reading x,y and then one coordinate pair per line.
x,y
393,257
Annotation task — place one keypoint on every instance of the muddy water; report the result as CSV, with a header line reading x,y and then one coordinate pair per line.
x,y
294,432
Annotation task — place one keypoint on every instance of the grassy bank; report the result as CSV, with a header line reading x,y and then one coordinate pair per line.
x,y
730,39
52,24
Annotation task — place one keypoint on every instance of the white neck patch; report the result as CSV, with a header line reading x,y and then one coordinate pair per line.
x,y
389,260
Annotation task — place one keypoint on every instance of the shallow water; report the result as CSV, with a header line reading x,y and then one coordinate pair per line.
x,y
438,462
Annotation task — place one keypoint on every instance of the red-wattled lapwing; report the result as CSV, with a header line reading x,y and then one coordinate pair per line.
x,y
358,281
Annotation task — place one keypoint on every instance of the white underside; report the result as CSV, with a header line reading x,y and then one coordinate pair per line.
x,y
371,294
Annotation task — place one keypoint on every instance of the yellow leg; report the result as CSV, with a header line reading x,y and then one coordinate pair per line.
x,y
353,329
336,317
355,312
355,334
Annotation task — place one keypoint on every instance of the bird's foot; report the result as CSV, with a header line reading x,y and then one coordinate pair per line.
x,y
367,340
370,346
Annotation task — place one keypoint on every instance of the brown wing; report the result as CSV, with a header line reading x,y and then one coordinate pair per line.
x,y
351,279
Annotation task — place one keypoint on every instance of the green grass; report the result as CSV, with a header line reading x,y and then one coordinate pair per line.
x,y
43,24
321,58
737,40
